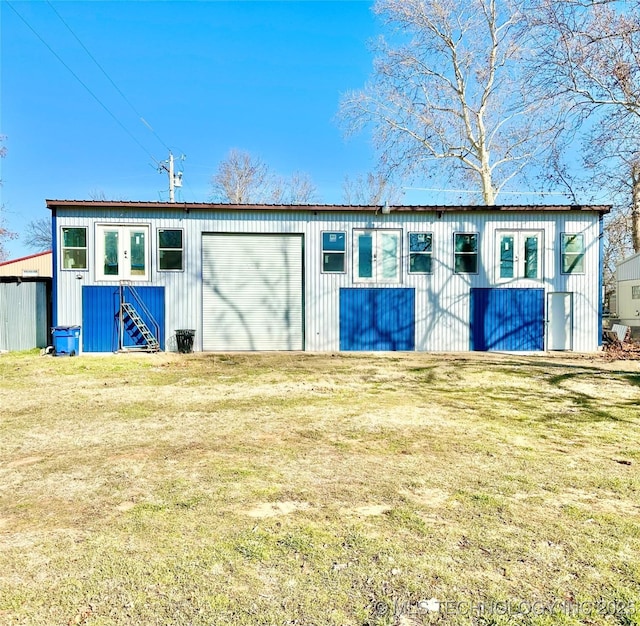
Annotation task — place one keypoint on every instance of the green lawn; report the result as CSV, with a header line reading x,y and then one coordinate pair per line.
x,y
319,490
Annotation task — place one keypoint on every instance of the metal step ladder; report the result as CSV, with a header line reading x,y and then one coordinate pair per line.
x,y
132,322
151,341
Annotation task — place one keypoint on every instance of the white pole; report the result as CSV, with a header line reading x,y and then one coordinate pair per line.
x,y
171,182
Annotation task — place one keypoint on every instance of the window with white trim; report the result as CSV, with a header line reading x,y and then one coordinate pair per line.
x,y
334,251
635,292
420,253
74,248
170,249
572,253
519,254
376,256
465,253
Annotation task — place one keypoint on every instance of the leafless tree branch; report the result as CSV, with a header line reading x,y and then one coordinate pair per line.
x,y
446,97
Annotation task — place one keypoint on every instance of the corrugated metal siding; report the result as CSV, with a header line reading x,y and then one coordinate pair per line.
x,y
629,269
377,319
559,321
628,307
100,324
628,277
584,287
442,299
23,315
252,292
153,299
507,319
35,265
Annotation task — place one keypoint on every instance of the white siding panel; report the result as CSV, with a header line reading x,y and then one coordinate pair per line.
x,y
629,269
442,298
628,278
252,292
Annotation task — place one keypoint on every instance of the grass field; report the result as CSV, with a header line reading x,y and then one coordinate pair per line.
x,y
319,490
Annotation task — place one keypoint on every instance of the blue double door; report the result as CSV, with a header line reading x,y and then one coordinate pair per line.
x,y
100,321
377,319
509,319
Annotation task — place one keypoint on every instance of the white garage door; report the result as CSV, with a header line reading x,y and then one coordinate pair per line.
x,y
252,292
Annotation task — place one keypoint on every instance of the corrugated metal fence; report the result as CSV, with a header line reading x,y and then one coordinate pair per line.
x,y
24,315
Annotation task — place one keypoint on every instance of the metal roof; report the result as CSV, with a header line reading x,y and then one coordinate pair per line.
x,y
306,208
25,258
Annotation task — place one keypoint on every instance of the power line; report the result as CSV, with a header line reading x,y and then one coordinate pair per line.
x,y
93,95
515,193
133,108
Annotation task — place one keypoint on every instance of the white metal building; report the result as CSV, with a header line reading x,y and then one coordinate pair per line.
x,y
628,291
327,277
34,265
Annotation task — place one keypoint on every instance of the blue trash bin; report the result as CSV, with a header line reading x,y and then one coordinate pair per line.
x,y
66,340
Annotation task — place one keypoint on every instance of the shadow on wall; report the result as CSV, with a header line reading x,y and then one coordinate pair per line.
x,y
252,292
377,318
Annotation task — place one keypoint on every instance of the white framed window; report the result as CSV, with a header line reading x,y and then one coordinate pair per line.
x,y
334,252
572,253
376,256
465,253
170,249
635,292
74,248
122,252
519,254
420,253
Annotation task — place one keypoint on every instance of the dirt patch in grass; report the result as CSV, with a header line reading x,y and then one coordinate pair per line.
x,y
317,489
368,509
272,509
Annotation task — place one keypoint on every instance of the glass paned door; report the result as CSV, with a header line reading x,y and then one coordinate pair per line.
x,y
520,255
506,256
377,256
122,252
365,255
531,256
137,249
389,247
111,256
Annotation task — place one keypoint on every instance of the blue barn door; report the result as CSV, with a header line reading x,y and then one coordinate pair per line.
x,y
377,319
100,326
507,319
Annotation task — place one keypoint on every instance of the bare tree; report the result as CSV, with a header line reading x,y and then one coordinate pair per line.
x,y
617,245
448,101
370,189
100,195
245,179
5,233
589,52
589,63
241,179
301,189
298,189
38,234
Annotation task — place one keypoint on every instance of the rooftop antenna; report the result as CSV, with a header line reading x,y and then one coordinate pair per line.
x,y
175,179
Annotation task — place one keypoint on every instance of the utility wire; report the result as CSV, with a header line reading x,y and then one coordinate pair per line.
x,y
515,193
93,95
133,108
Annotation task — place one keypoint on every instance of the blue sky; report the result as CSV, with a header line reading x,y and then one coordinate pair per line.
x,y
208,76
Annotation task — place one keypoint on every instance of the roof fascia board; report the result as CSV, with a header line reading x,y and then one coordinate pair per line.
x,y
317,208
